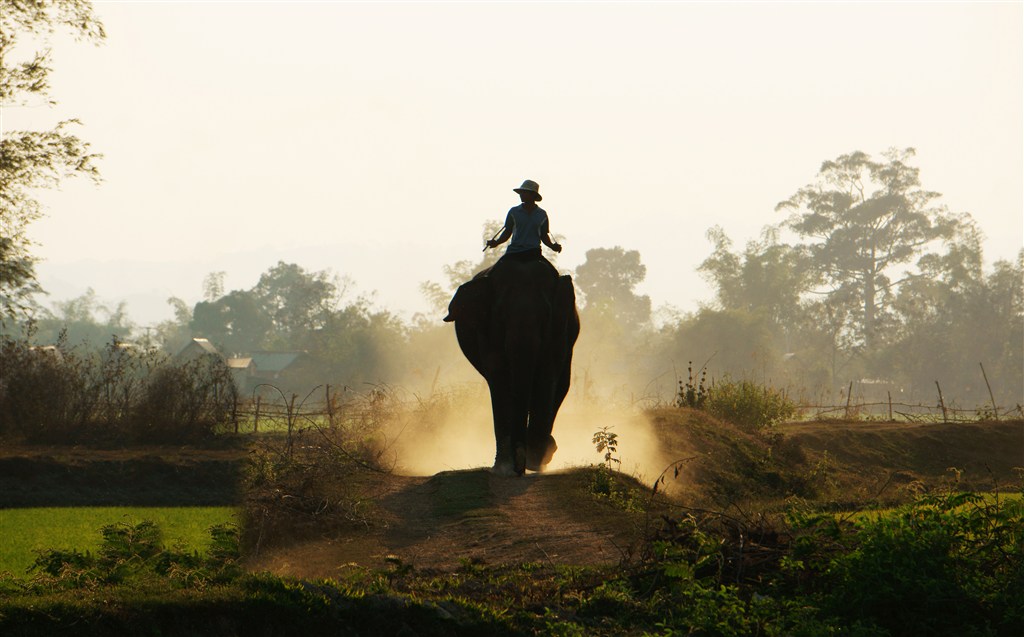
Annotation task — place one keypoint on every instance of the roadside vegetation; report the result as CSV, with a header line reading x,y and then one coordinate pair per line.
x,y
27,530
746,534
946,564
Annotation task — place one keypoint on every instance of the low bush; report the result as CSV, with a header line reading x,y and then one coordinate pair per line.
x,y
748,404
67,394
132,552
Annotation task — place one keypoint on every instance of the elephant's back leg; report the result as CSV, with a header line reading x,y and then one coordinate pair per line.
x,y
509,456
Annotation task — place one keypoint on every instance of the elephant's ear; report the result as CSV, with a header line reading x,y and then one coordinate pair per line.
x,y
566,316
471,303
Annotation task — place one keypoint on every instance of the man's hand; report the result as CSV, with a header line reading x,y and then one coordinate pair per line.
x,y
557,247
491,243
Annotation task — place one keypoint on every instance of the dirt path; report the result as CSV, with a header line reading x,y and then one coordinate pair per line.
x,y
459,517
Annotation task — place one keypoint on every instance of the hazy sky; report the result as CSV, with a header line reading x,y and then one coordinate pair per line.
x,y
376,139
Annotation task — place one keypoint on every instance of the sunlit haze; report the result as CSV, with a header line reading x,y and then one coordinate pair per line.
x,y
376,139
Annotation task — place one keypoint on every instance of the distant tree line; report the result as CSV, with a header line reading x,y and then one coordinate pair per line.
x,y
875,283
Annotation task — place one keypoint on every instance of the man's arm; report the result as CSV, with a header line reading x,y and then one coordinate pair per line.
x,y
545,237
506,232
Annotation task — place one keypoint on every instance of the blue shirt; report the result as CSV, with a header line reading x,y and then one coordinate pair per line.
x,y
528,225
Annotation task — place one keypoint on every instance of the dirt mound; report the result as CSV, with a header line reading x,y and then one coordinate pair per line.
x,y
979,456
459,518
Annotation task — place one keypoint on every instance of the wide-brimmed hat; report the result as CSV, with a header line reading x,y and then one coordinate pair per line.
x,y
529,186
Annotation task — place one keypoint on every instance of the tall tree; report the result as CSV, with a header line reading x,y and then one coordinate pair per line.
x,y
30,160
608,280
950,324
297,301
83,320
768,277
213,285
236,322
866,220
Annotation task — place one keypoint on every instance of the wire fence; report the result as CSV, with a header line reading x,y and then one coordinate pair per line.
x,y
326,406
858,407
908,412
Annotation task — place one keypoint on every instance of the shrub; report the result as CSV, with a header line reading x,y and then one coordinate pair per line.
x,y
45,391
944,565
71,394
132,552
185,401
748,404
693,392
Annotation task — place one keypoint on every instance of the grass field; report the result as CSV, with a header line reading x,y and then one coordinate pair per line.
x,y
25,530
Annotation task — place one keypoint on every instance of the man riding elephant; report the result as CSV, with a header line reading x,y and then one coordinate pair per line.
x,y
527,225
517,324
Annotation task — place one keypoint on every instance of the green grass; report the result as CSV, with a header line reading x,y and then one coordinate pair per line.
x,y
873,515
25,530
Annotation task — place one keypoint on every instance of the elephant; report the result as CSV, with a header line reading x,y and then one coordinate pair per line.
x,y
517,324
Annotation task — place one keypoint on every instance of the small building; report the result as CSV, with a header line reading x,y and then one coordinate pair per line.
x,y
197,347
288,371
242,371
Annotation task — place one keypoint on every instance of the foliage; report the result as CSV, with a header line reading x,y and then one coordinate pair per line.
x,y
693,393
607,280
132,552
735,339
959,321
741,402
607,442
748,404
883,283
769,278
865,219
65,394
31,160
318,477
949,564
945,565
187,400
73,528
292,309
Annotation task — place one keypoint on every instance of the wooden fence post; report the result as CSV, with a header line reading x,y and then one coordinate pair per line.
x,y
330,411
256,420
942,403
995,410
849,395
291,423
889,394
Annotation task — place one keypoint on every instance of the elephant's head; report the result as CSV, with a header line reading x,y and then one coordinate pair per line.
x,y
470,310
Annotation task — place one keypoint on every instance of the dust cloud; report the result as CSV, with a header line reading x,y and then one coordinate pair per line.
x,y
454,430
